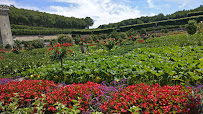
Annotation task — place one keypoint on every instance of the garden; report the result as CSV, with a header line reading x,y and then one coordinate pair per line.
x,y
119,73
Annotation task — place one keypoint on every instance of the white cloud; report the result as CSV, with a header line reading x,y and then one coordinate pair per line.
x,y
13,2
101,11
8,2
151,5
186,3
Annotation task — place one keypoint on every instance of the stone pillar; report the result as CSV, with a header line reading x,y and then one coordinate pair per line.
x,y
5,28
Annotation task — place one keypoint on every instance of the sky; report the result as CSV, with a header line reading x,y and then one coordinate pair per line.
x,y
106,11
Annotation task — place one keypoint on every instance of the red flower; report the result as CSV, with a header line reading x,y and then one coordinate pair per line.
x,y
141,41
1,57
70,50
113,39
51,108
82,38
51,49
124,111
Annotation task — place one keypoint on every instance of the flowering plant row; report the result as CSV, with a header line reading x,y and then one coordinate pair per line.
x,y
93,97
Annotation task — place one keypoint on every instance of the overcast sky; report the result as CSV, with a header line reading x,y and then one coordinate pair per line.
x,y
105,11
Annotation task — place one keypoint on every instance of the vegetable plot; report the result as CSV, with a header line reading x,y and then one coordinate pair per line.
x,y
163,65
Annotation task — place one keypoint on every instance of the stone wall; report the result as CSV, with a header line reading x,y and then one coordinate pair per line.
x,y
35,37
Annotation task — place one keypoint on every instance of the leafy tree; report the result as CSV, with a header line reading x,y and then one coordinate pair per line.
x,y
89,22
191,27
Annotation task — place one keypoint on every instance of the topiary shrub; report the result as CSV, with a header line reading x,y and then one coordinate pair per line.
x,y
63,38
38,43
123,35
191,27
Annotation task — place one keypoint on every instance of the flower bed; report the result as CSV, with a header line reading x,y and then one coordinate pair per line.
x,y
46,96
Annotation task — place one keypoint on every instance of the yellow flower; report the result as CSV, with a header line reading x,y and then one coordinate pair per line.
x,y
140,61
170,52
32,76
38,76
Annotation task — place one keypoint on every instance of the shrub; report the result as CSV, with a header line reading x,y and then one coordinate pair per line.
x,y
38,43
123,35
17,43
8,46
115,35
53,42
26,43
89,39
1,46
77,39
63,38
191,27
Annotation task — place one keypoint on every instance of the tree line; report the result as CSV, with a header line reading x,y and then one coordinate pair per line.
x,y
41,19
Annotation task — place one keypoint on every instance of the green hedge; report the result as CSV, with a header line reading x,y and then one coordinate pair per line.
x,y
26,30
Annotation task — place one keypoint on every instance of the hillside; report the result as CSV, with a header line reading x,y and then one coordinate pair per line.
x,y
42,19
159,17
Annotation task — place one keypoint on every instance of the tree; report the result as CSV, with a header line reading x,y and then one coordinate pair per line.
x,y
191,27
89,22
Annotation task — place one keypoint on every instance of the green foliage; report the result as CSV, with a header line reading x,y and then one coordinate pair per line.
x,y
191,27
89,22
77,39
8,46
131,32
37,105
157,18
14,64
143,31
123,35
115,35
157,62
38,43
89,39
17,43
41,19
63,38
1,46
